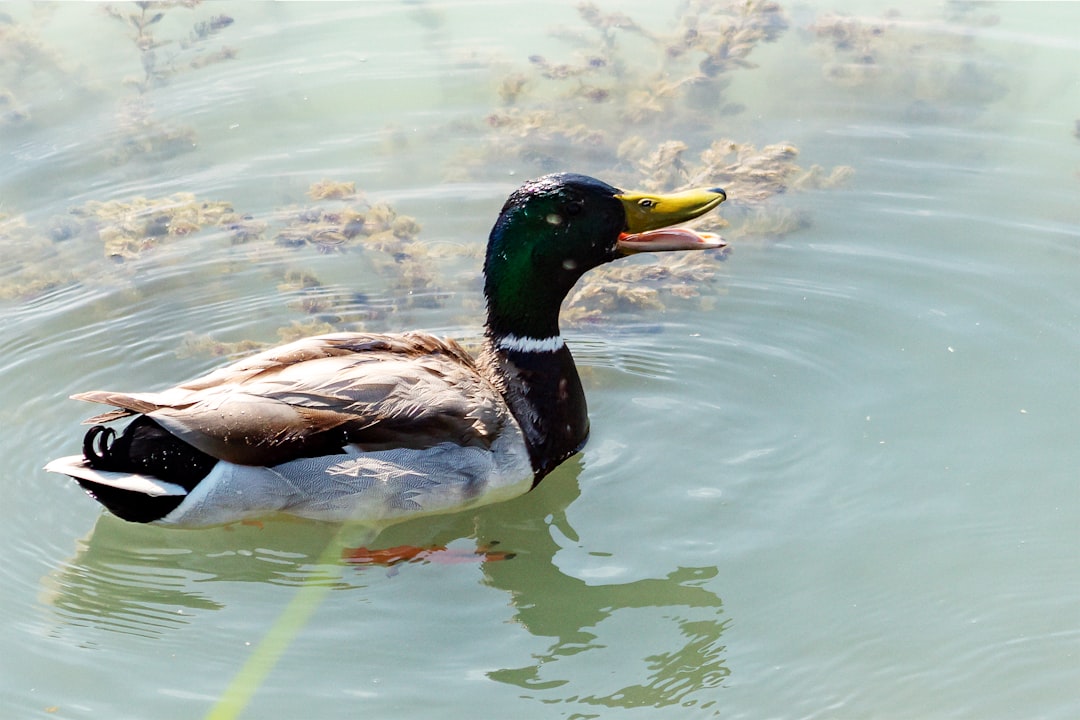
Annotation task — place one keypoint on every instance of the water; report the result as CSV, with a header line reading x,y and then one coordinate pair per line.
x,y
840,481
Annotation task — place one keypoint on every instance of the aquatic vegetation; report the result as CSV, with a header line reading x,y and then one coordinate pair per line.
x,y
388,240
158,68
332,190
142,134
647,115
298,330
671,89
72,248
646,285
750,175
668,86
247,229
29,267
27,60
195,345
327,231
128,228
327,304
202,345
161,57
12,112
726,32
668,83
354,220
905,59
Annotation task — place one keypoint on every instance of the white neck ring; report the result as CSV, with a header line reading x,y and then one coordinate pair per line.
x,y
514,343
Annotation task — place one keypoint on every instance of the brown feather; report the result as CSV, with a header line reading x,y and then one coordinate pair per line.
x,y
315,395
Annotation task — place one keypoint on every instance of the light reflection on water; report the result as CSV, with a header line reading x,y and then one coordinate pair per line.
x,y
832,475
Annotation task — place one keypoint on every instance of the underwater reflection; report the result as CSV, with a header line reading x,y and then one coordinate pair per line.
x,y
658,638
145,580
663,632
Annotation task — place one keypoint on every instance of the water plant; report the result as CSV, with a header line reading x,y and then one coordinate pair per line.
x,y
671,91
162,56
928,65
645,107
128,228
27,59
670,83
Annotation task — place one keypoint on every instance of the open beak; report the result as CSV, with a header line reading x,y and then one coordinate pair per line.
x,y
649,216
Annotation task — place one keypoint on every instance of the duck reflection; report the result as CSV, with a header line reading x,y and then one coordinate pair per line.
x,y
592,624
146,580
659,637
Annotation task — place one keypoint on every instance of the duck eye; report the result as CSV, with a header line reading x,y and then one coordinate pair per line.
x,y
646,202
573,208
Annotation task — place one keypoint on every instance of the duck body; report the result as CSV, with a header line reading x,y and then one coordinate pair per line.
x,y
381,428
346,426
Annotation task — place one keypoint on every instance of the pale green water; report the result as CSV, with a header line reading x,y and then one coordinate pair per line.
x,y
841,482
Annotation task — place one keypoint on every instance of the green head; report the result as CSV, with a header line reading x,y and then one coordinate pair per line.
x,y
554,229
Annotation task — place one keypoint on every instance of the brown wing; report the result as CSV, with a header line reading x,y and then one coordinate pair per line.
x,y
318,394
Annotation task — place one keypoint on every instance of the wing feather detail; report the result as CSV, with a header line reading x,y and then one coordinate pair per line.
x,y
314,396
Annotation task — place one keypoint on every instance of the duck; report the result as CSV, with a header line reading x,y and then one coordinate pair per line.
x,y
380,428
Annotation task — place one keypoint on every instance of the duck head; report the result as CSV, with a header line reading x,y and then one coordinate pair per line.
x,y
554,229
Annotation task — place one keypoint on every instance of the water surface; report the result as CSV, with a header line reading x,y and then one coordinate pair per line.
x,y
832,473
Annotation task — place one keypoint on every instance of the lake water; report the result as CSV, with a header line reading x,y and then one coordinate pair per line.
x,y
833,473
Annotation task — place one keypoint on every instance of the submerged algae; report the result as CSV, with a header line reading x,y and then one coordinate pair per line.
x,y
29,268
162,56
552,110
28,60
72,247
667,97
928,65
128,228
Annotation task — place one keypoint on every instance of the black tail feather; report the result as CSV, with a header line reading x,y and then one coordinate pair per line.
x,y
144,448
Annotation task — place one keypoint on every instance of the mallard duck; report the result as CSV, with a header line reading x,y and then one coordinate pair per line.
x,y
381,428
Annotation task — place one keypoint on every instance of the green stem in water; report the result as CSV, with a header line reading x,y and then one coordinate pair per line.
x,y
281,634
